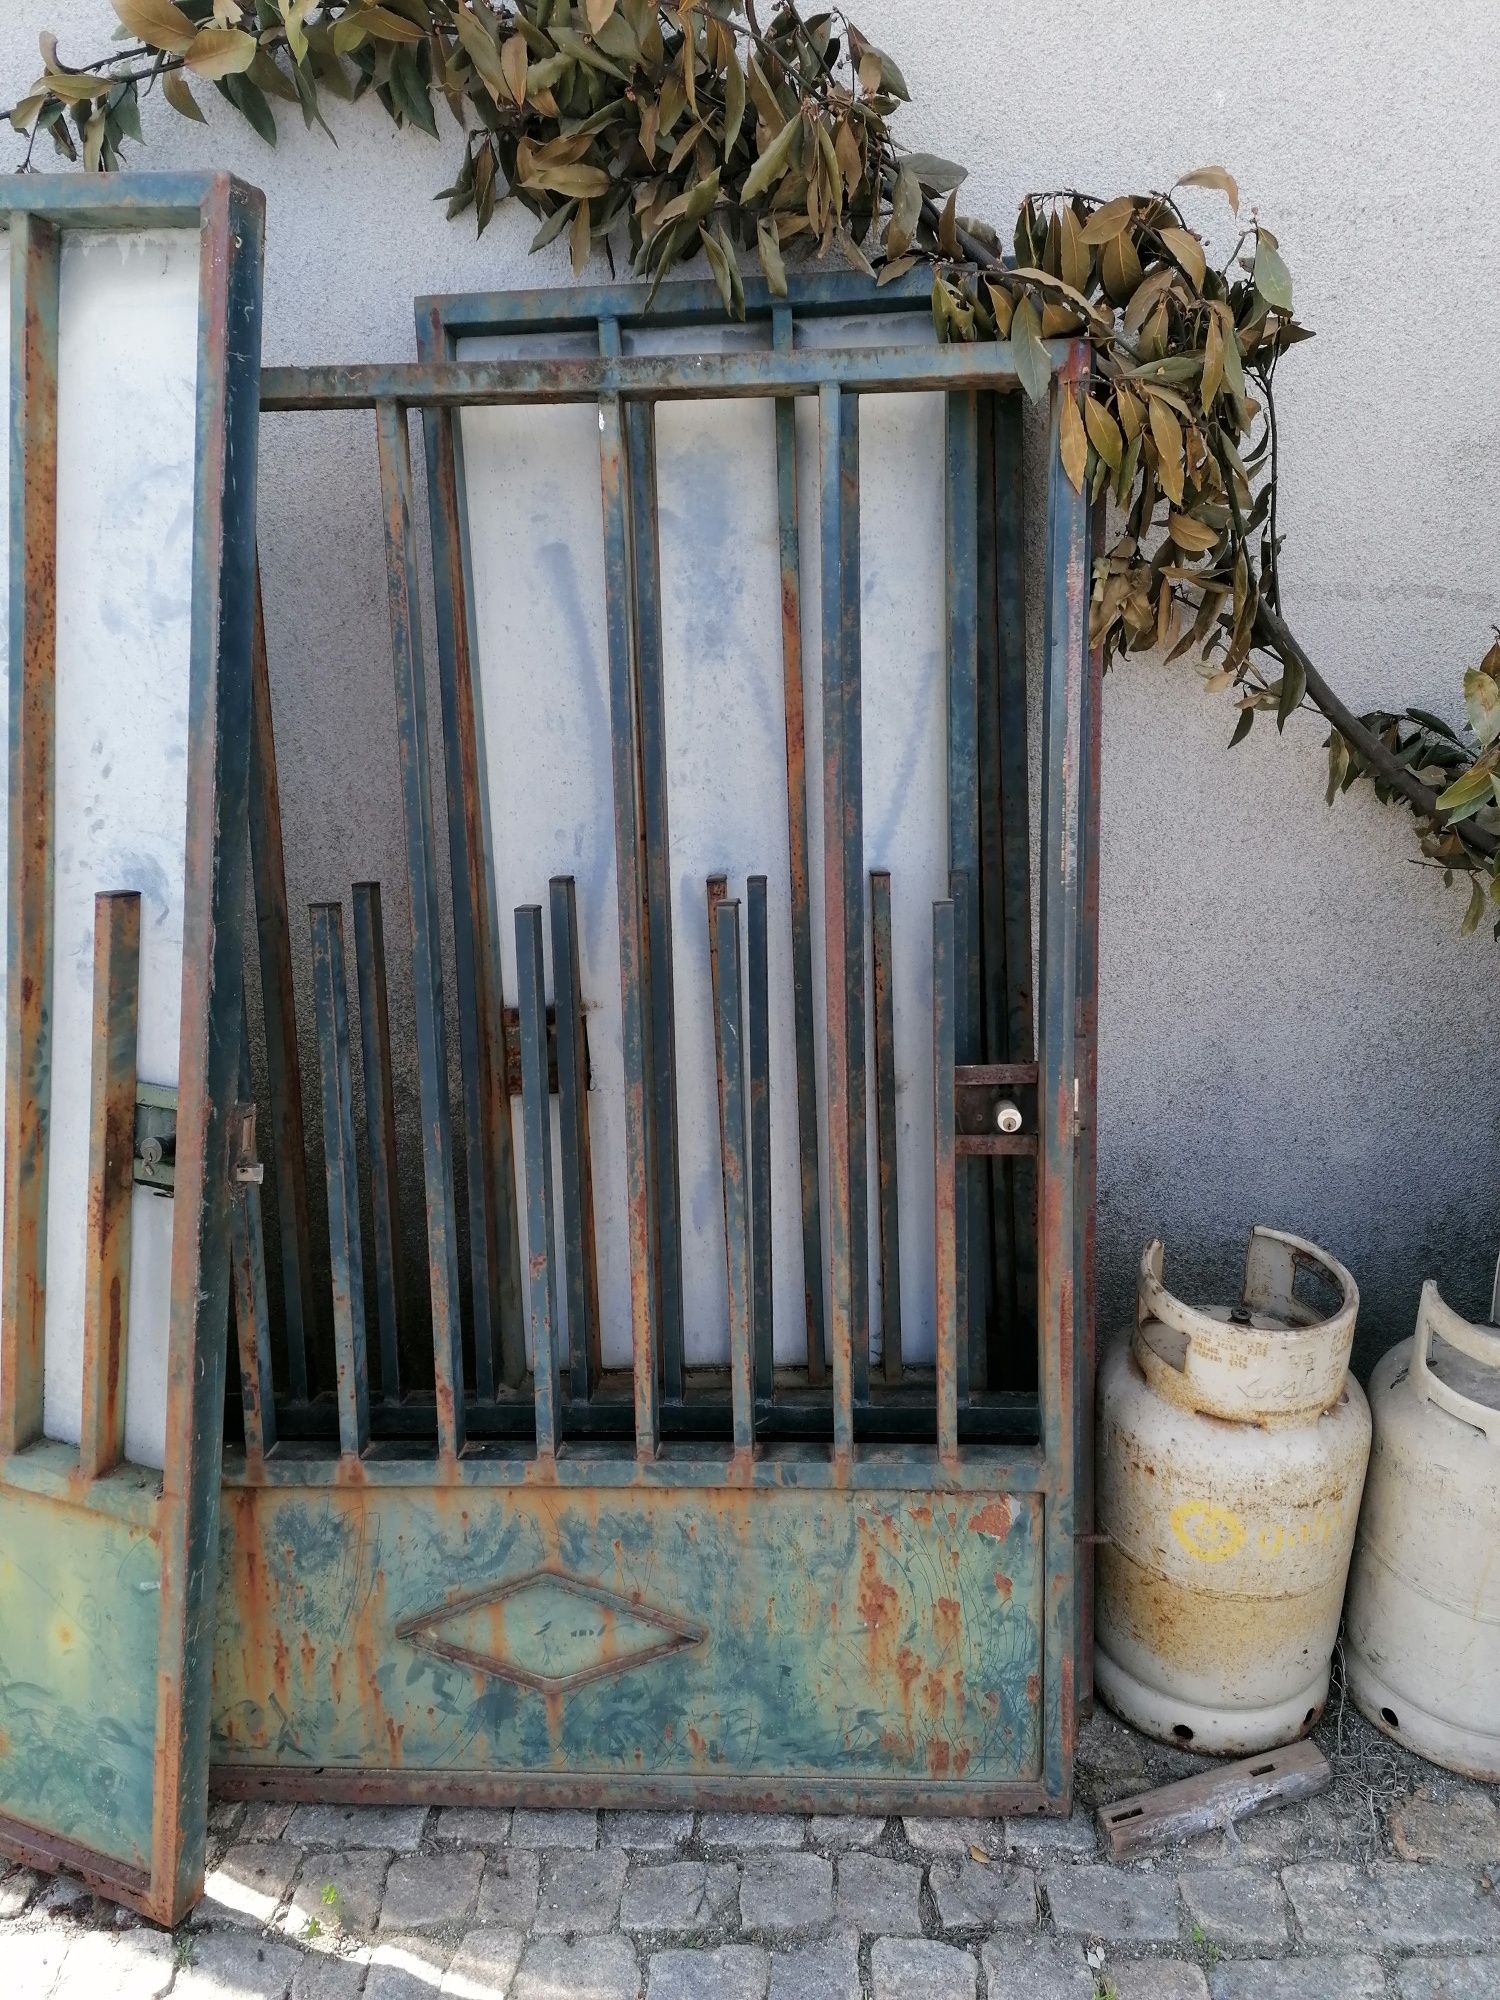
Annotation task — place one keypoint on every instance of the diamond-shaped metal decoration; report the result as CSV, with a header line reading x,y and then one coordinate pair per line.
x,y
549,1631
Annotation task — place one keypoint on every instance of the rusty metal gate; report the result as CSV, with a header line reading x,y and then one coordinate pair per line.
x,y
810,1570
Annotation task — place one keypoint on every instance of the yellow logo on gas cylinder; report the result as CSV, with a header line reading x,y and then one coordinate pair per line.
x,y
1208,1533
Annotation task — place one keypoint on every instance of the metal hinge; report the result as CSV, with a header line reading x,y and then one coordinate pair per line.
x,y
245,1167
155,1163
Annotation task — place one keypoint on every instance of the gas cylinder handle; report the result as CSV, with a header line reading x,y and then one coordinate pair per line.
x,y
1272,1258
1482,1344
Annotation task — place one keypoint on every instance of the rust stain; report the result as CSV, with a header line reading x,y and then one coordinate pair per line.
x,y
946,1621
939,1756
1003,1584
993,1519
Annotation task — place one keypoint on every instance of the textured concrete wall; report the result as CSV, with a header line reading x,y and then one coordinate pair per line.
x,y
1292,1029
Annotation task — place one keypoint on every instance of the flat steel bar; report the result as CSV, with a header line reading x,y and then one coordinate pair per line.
x,y
580,1252
734,1148
252,1317
380,1126
106,1283
651,711
536,1126
758,1003
634,999
1065,650
341,1176
273,932
1013,776
427,964
862,371
831,416
882,980
961,539
489,1142
34,260
789,543
945,1176
852,832
959,894
716,890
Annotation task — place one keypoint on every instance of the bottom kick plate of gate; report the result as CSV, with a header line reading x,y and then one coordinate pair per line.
x,y
602,1645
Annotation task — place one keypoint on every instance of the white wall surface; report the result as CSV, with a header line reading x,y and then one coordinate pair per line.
x,y
1291,1029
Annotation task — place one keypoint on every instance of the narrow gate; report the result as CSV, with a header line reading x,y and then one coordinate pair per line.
x,y
753,1483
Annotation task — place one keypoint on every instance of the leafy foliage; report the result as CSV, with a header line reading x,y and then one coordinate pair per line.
x,y
674,127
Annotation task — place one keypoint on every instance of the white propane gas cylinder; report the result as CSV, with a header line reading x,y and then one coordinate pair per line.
x,y
1232,1447
1423,1644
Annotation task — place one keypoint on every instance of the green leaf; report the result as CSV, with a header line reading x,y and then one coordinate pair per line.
x,y
1028,352
734,103
1242,728
1475,910
1482,703
906,213
1104,433
1338,766
1188,251
174,89
769,251
1471,791
251,105
1272,278
1107,222
936,175
1073,444
772,163
554,226
1293,688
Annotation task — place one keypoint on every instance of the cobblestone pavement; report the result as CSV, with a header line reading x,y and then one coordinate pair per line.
x,y
1387,1886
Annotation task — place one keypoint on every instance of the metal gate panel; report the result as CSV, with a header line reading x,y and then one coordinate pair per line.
x,y
573,1588
134,341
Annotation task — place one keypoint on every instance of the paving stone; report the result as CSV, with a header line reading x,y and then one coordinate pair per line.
x,y
339,1894
508,1893
1041,1839
427,1892
265,1820
1391,1905
592,1969
752,1830
1153,1979
407,1968
973,1895
1281,1835
919,1969
955,1836
648,1832
828,1971
1297,1979
580,1892
733,1972
1462,1829
473,1826
396,1827
1101,1902
553,1829
249,1885
786,1892
484,1965
224,1818
105,1965
321,1976
1242,1909
16,1891
844,1830
64,1896
1032,1968
876,1895
1448,1979
679,1895
229,1967
31,1961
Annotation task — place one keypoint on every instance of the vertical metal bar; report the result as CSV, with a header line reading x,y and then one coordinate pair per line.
x,y
716,889
536,1125
960,894
1066,652
1014,781
853,840
945,1179
645,564
106,1285
427,964
762,1326
33,668
832,415
489,1143
1087,1128
729,1040
252,1318
580,1254
279,1011
380,1124
341,1174
804,1039
882,980
634,999
962,566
